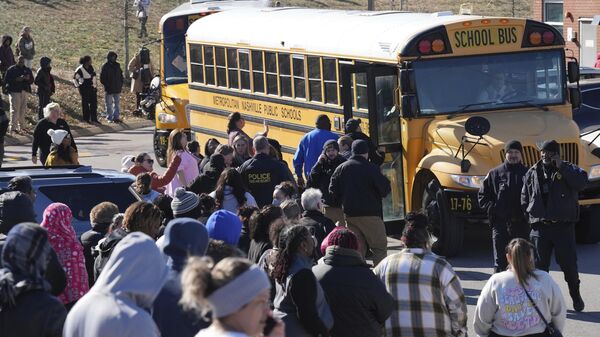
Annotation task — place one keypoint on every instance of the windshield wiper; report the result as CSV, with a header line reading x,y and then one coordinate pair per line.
x,y
528,103
466,106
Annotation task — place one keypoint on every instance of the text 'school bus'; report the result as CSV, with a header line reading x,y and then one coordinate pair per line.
x,y
439,93
170,112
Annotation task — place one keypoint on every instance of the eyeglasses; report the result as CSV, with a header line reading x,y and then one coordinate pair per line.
x,y
150,161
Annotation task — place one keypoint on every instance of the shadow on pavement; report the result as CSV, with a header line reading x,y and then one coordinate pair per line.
x,y
592,316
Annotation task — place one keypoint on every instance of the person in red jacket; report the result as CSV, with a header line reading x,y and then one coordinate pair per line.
x,y
143,163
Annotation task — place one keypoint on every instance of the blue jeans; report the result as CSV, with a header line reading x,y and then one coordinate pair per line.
x,y
112,106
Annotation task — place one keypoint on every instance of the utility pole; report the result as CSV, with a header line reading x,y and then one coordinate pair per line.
x,y
126,27
370,5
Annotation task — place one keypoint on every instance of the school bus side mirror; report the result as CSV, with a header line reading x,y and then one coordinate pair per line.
x,y
407,81
573,71
409,106
575,95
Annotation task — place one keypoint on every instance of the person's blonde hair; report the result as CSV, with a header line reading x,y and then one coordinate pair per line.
x,y
521,254
201,277
48,108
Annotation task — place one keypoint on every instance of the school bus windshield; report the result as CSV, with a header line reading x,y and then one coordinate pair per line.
x,y
174,65
489,82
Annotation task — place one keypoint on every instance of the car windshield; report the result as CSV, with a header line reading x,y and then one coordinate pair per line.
x,y
175,68
81,198
487,82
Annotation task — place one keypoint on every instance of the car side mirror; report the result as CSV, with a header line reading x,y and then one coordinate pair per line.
x,y
575,95
573,71
407,81
409,106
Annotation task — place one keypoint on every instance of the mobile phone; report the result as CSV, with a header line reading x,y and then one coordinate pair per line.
x,y
269,325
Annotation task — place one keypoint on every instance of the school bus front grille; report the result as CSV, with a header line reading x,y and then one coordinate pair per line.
x,y
568,152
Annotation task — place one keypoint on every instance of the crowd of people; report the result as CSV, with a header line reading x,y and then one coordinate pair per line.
x,y
230,243
18,82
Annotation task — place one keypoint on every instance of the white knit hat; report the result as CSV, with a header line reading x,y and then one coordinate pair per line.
x,y
127,163
57,136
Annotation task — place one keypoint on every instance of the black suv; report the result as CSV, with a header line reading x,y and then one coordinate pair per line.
x,y
79,187
587,116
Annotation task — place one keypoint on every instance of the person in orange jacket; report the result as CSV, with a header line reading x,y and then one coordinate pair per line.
x,y
143,163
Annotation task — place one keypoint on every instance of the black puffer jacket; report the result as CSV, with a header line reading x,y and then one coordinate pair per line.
x,y
105,250
562,202
318,224
111,75
320,177
89,240
360,187
207,181
358,299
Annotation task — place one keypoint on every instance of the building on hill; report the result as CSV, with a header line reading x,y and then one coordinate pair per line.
x,y
578,21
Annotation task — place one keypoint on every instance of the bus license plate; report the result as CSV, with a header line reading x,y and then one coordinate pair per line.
x,y
461,203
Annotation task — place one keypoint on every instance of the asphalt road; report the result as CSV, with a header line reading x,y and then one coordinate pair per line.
x,y
473,265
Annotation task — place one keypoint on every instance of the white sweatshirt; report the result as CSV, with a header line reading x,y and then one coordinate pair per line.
x,y
504,308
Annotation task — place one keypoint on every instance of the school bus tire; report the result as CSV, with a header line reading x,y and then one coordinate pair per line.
x,y
447,228
587,230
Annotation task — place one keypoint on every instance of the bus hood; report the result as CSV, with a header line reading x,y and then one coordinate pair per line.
x,y
531,128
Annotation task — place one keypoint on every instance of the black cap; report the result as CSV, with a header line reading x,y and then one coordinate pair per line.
x,y
15,207
352,124
360,147
332,143
513,145
551,146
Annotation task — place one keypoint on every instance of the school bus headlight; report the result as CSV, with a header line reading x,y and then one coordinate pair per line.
x,y
167,118
468,181
594,172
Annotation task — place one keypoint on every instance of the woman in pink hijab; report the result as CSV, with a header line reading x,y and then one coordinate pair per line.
x,y
57,220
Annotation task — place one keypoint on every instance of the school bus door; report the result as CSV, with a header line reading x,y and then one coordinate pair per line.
x,y
374,92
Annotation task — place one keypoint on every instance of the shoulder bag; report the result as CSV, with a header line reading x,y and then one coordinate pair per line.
x,y
551,330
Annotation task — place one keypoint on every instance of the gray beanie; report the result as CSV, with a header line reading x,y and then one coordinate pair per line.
x,y
184,201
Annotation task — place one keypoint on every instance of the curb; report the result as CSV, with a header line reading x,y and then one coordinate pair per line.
x,y
84,132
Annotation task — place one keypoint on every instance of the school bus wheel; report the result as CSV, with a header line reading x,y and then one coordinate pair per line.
x,y
447,228
587,230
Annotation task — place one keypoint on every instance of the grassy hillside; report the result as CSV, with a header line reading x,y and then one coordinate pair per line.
x,y
65,30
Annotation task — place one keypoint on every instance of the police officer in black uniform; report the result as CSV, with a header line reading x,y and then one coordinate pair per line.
x,y
500,195
550,196
262,173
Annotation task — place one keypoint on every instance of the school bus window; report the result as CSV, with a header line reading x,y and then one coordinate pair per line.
x,y
244,69
221,67
257,71
271,65
330,80
209,63
314,79
285,80
196,63
362,101
232,68
299,77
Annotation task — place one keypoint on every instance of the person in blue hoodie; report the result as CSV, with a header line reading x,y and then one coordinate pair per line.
x,y
311,147
224,225
184,237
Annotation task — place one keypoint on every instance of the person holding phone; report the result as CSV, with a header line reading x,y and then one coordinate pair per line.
x,y
550,198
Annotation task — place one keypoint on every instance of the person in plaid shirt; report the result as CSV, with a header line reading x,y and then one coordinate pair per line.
x,y
429,300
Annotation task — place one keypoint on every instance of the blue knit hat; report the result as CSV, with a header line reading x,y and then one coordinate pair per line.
x,y
224,225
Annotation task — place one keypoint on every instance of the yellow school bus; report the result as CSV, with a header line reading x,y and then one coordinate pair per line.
x,y
170,112
425,86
